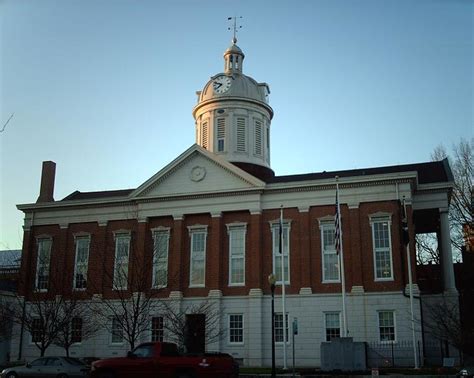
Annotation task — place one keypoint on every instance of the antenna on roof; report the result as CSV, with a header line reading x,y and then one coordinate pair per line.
x,y
235,27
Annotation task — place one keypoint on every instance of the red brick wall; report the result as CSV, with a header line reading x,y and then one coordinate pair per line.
x,y
305,251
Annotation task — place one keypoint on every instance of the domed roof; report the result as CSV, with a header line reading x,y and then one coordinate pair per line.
x,y
233,49
241,86
232,84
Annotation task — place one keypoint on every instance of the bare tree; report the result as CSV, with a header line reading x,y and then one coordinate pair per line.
x,y
444,323
6,318
135,279
461,207
80,325
175,322
43,316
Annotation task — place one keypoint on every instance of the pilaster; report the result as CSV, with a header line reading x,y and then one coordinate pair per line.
x,y
214,257
357,264
176,256
305,248
255,328
254,254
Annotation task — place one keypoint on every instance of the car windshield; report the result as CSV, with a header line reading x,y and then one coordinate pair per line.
x,y
38,362
73,361
144,351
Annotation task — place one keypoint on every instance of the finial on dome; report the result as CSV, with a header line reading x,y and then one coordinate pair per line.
x,y
234,27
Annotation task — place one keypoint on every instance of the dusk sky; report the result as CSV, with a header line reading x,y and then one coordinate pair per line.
x,y
105,88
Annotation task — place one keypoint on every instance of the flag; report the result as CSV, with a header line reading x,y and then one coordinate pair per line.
x,y
337,231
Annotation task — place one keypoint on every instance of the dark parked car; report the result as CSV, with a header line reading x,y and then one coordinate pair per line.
x,y
57,367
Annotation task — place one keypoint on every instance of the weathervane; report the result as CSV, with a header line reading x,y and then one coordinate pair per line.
x,y
234,19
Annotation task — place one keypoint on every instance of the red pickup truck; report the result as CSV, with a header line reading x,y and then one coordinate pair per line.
x,y
163,360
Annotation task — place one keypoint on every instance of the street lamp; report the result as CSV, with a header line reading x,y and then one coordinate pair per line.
x,y
271,281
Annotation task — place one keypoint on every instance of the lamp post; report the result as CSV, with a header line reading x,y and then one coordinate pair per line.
x,y
271,281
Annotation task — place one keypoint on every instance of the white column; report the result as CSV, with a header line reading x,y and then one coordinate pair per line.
x,y
446,253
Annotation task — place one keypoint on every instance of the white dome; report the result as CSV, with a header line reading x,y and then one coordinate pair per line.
x,y
242,86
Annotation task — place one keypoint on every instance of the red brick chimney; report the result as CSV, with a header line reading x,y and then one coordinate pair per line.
x,y
47,182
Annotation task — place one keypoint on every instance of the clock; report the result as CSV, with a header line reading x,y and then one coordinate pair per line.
x,y
221,84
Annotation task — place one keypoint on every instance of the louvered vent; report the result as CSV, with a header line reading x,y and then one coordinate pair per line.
x,y
241,137
258,137
220,134
205,136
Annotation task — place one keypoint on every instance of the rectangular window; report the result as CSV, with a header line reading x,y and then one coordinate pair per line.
x,y
236,329
241,135
330,258
277,256
258,138
122,251
43,262
236,255
76,330
386,326
198,257
157,329
332,321
279,327
160,258
381,240
82,260
220,134
116,331
36,331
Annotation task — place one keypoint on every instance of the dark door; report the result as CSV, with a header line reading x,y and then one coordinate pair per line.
x,y
195,333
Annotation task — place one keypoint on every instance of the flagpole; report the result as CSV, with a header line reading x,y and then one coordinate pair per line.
x,y
410,283
283,286
341,261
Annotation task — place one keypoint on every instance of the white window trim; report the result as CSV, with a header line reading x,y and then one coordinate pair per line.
x,y
39,240
157,231
325,223
377,218
76,238
112,334
121,234
274,225
193,230
231,227
31,334
324,323
289,328
395,340
151,326
243,330
82,326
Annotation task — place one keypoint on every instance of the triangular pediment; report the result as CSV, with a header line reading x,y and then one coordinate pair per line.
x,y
197,171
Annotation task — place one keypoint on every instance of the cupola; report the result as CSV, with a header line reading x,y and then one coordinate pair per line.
x,y
233,117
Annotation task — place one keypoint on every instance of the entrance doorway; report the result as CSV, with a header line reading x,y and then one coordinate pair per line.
x,y
195,333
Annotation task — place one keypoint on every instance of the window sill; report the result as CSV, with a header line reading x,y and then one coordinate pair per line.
x,y
388,279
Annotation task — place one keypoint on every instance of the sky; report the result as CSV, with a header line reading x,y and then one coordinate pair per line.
x,y
105,88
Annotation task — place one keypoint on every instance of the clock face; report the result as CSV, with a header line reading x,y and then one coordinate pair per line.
x,y
221,84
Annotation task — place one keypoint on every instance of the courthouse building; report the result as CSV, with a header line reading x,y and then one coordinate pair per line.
x,y
213,213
